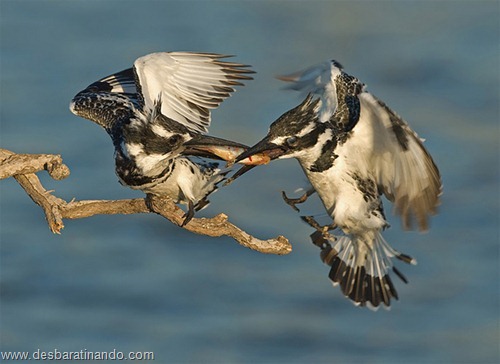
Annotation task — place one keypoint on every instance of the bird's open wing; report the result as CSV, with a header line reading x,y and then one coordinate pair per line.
x,y
188,84
404,170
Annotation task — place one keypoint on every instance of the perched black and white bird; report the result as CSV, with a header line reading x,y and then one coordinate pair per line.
x,y
157,113
353,148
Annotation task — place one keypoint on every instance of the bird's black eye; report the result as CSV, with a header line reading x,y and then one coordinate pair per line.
x,y
174,140
292,141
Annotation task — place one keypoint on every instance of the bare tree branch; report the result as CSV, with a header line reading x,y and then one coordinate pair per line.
x,y
24,166
12,164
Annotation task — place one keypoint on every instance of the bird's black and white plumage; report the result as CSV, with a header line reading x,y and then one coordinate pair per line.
x,y
157,113
354,148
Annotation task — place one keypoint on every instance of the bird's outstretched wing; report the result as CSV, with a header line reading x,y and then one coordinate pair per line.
x,y
404,169
188,84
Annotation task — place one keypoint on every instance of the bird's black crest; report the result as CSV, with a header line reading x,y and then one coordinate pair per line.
x,y
337,64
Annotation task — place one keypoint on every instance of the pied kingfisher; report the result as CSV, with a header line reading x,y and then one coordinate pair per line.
x,y
156,114
353,148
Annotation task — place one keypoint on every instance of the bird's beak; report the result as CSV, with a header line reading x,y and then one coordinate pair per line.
x,y
218,148
261,153
213,147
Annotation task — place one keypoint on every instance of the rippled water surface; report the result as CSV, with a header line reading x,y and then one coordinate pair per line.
x,y
138,283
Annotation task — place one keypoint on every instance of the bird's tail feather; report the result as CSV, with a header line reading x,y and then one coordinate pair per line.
x,y
362,269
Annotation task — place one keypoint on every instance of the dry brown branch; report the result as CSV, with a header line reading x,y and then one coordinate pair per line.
x,y
12,164
24,166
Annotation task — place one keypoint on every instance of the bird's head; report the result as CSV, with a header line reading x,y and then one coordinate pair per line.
x,y
295,134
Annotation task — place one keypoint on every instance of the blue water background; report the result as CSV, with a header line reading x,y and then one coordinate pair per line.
x,y
138,283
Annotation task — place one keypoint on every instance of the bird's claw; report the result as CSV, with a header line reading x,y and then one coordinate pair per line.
x,y
294,201
323,230
189,214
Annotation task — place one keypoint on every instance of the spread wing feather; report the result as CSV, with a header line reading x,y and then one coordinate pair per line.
x,y
188,84
405,171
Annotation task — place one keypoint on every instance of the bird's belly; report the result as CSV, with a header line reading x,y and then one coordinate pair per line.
x,y
351,208
188,182
168,188
326,188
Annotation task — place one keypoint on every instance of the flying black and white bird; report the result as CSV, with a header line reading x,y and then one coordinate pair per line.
x,y
156,114
353,148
